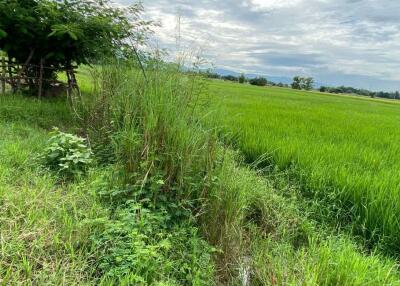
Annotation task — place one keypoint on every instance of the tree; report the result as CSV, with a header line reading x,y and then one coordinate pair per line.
x,y
213,75
68,32
260,81
308,83
242,78
230,77
296,84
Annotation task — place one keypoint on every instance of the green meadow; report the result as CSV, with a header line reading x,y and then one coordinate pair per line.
x,y
341,149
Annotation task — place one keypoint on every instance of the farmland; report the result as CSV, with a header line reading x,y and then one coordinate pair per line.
x,y
344,148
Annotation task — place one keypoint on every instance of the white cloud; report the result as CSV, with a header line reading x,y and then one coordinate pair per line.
x,y
271,4
333,40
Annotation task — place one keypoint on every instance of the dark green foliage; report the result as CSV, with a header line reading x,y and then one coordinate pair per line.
x,y
306,83
66,154
296,84
260,81
210,74
242,78
64,33
365,92
230,78
147,245
282,85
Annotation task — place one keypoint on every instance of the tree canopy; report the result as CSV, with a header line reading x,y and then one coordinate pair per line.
x,y
68,31
242,78
306,83
260,81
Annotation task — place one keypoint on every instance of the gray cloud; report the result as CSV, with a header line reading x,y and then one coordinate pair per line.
x,y
354,42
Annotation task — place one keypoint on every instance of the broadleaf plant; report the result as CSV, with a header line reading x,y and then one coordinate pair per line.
x,y
68,155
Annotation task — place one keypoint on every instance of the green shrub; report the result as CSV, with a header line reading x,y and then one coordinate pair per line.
x,y
67,154
143,246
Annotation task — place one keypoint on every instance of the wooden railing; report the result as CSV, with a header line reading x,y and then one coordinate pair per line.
x,y
17,76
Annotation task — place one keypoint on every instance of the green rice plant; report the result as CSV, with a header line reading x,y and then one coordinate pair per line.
x,y
340,149
333,261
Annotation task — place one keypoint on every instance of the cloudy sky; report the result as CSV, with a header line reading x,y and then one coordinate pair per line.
x,y
349,42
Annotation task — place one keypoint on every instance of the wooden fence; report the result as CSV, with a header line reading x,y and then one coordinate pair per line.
x,y
18,76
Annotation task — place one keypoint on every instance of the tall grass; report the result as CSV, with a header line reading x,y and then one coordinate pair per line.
x,y
144,124
340,149
152,124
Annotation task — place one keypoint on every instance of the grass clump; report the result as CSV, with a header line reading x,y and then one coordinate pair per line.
x,y
155,161
160,163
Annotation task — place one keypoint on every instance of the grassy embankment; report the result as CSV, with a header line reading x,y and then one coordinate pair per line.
x,y
161,184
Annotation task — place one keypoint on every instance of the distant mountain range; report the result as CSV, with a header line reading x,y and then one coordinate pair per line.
x,y
275,79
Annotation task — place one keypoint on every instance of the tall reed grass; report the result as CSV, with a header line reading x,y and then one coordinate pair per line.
x,y
150,120
144,123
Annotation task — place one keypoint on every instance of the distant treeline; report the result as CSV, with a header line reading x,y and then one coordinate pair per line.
x,y
305,83
364,92
259,81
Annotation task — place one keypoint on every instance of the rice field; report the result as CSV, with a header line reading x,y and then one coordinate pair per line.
x,y
345,147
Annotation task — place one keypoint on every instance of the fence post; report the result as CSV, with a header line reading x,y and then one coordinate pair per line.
x,y
41,78
10,74
3,75
18,84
